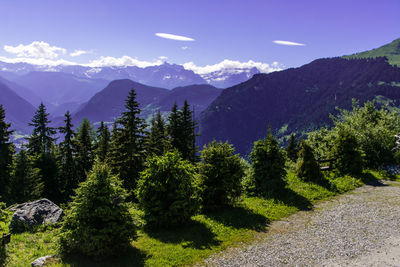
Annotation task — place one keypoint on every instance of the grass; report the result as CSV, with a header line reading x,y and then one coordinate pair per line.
x,y
206,234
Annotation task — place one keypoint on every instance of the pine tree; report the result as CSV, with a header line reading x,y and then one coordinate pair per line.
x,y
181,130
98,223
348,153
221,173
103,144
173,128
307,167
188,126
157,142
128,148
292,148
268,166
41,139
6,154
41,148
68,176
26,183
84,141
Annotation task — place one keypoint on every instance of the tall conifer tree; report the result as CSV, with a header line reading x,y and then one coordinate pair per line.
x,y
41,148
84,141
181,130
127,153
103,145
6,154
41,139
158,141
68,172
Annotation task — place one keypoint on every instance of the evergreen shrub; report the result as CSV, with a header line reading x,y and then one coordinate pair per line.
x,y
168,191
221,173
97,223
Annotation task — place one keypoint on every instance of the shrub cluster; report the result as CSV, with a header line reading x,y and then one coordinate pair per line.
x,y
167,190
307,166
221,173
98,222
268,167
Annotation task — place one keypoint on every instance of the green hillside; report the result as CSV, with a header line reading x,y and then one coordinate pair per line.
x,y
391,51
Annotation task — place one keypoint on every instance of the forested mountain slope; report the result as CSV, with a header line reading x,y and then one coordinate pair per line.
x,y
296,99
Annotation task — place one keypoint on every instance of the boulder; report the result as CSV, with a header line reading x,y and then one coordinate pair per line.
x,y
31,214
43,261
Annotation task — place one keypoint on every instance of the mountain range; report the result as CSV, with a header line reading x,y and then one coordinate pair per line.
x,y
165,75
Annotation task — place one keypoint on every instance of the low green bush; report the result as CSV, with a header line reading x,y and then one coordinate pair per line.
x,y
168,191
98,222
268,167
307,167
221,173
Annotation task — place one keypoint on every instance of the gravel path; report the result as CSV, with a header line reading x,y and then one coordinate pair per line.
x,y
360,228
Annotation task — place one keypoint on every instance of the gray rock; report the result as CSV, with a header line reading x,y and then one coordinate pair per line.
x,y
30,214
42,261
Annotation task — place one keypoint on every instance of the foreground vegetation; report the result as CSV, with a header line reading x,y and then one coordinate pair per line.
x,y
204,235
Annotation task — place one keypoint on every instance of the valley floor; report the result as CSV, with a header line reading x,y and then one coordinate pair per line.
x,y
359,228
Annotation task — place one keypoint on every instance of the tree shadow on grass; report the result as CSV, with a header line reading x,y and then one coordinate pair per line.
x,y
370,179
194,234
132,257
240,218
291,198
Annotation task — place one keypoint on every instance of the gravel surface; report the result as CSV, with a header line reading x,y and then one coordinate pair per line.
x,y
360,228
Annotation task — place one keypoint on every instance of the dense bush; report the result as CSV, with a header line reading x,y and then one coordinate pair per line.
x,y
268,167
221,173
167,190
373,128
348,154
97,222
307,166
293,148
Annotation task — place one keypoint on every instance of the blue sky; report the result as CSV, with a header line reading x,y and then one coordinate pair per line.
x,y
222,30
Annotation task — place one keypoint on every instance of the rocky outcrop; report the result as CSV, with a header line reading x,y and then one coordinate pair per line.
x,y
43,261
31,214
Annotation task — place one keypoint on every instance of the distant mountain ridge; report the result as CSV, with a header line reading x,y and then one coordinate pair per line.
x,y
108,104
297,99
18,111
165,75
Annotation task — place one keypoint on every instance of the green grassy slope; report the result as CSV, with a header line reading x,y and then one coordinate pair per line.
x,y
391,51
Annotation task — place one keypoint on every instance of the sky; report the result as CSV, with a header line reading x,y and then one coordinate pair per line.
x,y
268,34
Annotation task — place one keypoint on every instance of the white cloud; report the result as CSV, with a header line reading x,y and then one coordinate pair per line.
x,y
185,47
79,52
163,57
38,61
287,43
174,37
123,61
37,49
231,64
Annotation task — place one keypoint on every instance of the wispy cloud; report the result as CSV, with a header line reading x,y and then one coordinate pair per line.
x,y
174,37
280,42
185,47
80,52
37,49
